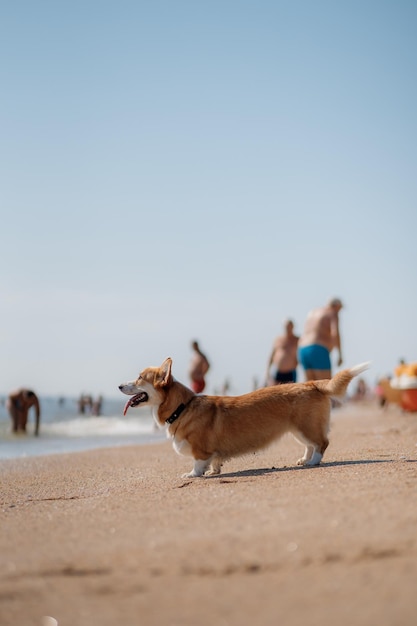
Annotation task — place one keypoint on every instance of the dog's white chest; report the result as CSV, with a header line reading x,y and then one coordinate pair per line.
x,y
181,447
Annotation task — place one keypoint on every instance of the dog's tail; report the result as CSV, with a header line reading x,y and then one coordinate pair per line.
x,y
336,386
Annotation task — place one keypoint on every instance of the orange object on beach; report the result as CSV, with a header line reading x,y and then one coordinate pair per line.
x,y
409,400
405,369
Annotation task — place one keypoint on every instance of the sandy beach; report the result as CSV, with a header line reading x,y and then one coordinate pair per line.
x,y
116,536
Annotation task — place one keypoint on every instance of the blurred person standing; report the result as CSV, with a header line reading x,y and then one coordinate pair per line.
x,y
321,335
198,369
18,404
282,364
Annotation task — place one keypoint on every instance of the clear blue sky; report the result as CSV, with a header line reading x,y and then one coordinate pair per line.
x,y
185,169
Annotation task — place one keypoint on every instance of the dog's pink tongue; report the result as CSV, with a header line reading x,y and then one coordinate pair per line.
x,y
127,405
135,401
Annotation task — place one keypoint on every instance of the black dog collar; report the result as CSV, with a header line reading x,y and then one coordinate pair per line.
x,y
171,419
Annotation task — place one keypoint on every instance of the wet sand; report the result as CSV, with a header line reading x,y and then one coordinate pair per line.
x,y
116,536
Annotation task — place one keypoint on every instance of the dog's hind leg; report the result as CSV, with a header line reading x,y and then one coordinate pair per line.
x,y
200,466
313,458
215,467
308,453
313,453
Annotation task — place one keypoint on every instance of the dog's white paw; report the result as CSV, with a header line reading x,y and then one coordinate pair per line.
x,y
313,462
198,469
214,471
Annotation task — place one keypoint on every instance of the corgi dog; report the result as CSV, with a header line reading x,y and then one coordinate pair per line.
x,y
213,429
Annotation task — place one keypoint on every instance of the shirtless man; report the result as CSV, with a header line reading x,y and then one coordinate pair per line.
x,y
282,365
198,369
18,404
321,335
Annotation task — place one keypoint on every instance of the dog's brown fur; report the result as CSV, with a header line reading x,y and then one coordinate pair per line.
x,y
213,429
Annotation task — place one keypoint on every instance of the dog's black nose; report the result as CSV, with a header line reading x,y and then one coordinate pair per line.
x,y
121,387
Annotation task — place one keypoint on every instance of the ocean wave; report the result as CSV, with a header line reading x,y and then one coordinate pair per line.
x,y
79,433
103,426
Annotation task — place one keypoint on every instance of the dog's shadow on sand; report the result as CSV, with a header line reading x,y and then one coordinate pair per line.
x,y
291,468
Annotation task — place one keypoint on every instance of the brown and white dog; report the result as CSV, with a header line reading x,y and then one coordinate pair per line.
x,y
213,429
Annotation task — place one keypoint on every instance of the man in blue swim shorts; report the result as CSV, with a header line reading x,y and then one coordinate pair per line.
x,y
321,334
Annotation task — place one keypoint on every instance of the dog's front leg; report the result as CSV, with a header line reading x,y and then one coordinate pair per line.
x,y
198,469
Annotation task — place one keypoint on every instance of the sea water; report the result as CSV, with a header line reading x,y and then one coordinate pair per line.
x,y
63,429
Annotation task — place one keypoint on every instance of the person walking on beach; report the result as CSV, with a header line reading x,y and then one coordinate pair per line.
x,y
282,365
198,369
321,335
18,404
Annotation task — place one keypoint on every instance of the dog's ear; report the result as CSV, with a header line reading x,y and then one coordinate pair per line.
x,y
164,374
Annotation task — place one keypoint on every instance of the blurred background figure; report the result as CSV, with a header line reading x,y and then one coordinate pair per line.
x,y
19,403
96,408
361,392
282,364
85,404
321,335
198,369
225,388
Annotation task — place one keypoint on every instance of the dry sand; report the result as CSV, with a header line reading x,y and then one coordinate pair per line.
x,y
116,536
